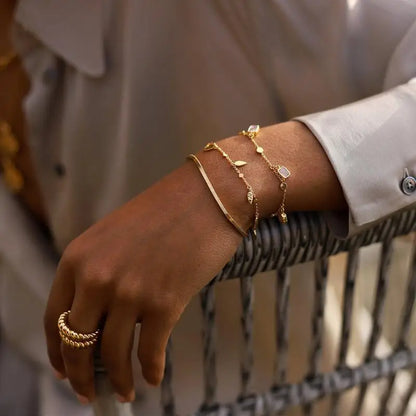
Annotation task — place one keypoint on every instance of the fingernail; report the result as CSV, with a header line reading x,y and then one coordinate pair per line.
x,y
131,396
59,375
83,399
120,398
124,399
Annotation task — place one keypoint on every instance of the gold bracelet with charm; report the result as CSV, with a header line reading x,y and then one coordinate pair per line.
x,y
282,172
251,196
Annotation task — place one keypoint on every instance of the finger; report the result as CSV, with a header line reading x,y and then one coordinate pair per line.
x,y
60,300
154,335
116,346
85,316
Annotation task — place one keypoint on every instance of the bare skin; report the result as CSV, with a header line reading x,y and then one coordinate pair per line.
x,y
110,274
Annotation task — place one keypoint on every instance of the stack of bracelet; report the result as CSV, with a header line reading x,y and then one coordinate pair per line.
x,y
280,171
251,196
216,197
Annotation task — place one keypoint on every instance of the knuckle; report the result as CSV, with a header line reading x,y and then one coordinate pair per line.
x,y
165,305
72,256
95,279
126,296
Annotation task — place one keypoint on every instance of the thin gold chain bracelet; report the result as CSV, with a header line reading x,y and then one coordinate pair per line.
x,y
251,196
215,195
280,171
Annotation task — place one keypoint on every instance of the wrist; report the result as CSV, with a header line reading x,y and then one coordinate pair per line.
x,y
312,184
235,184
187,191
229,188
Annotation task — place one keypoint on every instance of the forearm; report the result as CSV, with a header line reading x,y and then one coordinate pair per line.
x,y
312,185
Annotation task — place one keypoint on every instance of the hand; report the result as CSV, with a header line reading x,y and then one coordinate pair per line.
x,y
145,261
142,263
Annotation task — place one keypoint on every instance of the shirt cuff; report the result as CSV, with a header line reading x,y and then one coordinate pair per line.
x,y
370,143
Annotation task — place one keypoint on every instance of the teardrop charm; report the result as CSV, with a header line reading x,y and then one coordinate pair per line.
x,y
254,128
209,146
259,150
240,163
250,196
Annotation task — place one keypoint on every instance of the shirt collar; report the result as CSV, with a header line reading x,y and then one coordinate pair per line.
x,y
71,29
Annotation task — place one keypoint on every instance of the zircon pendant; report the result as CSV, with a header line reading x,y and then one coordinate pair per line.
x,y
254,129
239,163
250,196
283,217
283,172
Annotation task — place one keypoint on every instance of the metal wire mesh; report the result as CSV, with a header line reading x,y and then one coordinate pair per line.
x,y
277,247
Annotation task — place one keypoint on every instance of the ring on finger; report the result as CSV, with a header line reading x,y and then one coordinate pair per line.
x,y
75,339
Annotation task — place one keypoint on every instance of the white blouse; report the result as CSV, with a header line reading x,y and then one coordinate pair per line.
x,y
122,91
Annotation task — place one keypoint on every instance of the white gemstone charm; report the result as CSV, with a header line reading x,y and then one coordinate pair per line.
x,y
240,163
254,128
284,172
250,196
259,150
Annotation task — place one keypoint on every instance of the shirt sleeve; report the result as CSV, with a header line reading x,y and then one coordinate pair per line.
x,y
371,143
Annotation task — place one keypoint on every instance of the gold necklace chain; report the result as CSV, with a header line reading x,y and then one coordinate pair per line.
x,y
7,60
9,145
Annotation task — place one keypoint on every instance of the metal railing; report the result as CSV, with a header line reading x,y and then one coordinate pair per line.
x,y
277,247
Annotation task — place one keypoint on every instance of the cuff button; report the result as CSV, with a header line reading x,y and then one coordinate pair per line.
x,y
408,185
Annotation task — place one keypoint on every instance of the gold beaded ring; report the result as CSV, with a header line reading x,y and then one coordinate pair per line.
x,y
77,344
282,172
251,196
75,339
